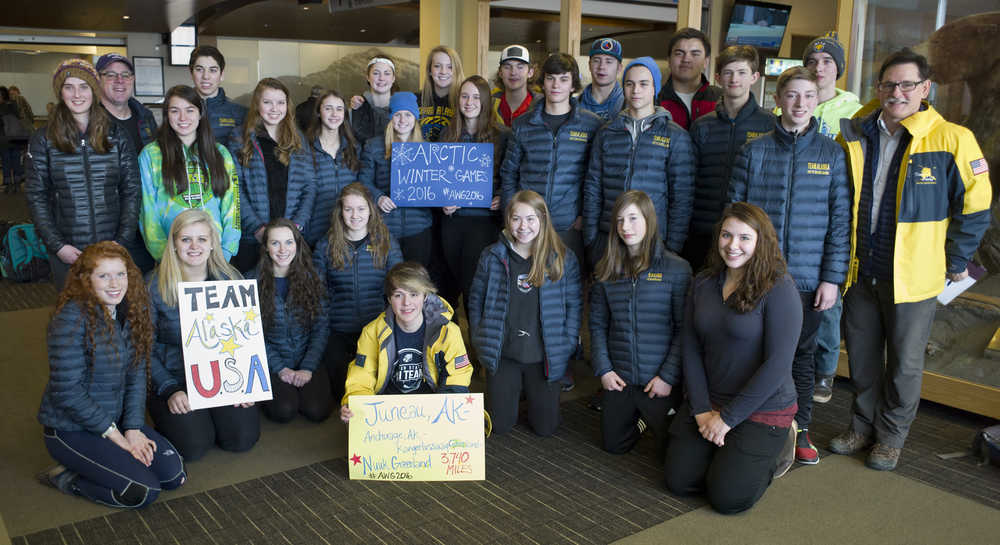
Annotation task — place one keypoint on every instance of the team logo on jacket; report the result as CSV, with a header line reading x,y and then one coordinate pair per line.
x,y
823,169
654,277
753,134
523,284
662,141
579,136
926,176
226,122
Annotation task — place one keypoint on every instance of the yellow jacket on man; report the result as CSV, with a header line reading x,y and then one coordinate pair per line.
x,y
943,197
446,363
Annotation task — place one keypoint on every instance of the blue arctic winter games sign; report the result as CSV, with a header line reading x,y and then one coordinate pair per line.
x,y
442,174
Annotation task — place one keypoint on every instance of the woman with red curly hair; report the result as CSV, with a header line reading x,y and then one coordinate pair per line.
x,y
94,406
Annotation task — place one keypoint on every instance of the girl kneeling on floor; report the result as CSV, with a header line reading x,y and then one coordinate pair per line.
x,y
193,254
94,406
735,433
293,308
411,348
524,315
636,315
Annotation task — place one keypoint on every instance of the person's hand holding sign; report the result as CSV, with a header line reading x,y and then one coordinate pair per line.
x,y
345,414
386,204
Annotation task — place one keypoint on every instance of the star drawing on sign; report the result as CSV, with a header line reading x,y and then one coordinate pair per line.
x,y
355,459
469,400
250,315
229,346
209,317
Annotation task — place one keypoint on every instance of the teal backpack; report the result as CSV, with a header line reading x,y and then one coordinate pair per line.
x,y
23,257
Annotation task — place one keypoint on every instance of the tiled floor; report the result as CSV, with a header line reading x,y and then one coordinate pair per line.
x,y
555,490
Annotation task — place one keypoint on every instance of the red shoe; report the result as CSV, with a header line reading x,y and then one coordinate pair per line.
x,y
805,451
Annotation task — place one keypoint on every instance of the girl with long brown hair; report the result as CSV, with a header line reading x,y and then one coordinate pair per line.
x,y
186,168
466,231
335,154
636,313
735,433
352,262
293,308
94,407
437,99
276,174
524,315
79,160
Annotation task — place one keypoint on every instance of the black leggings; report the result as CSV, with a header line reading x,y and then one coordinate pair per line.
x,y
340,351
504,394
312,399
621,410
231,428
733,476
463,239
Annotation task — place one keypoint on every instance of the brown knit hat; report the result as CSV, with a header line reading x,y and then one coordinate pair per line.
x,y
77,68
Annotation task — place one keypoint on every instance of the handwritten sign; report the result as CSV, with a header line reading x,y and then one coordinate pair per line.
x,y
223,341
442,174
417,437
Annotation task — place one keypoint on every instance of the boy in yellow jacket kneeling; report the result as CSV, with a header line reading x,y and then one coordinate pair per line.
x,y
414,349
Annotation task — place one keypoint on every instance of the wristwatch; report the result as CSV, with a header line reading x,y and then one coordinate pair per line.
x,y
108,431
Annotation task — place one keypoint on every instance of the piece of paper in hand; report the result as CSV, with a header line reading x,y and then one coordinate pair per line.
x,y
954,289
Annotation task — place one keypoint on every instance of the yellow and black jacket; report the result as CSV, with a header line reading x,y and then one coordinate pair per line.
x,y
943,197
446,363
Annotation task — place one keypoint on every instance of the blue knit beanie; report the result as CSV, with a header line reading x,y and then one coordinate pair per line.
x,y
404,102
649,63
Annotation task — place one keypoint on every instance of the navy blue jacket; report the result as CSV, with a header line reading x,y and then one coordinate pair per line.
x,y
166,365
559,310
145,122
717,139
226,117
356,291
92,385
801,182
255,208
332,175
658,161
499,151
551,165
376,174
635,325
289,342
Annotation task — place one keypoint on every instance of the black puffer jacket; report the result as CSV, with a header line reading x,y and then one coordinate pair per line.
x,y
717,139
801,182
635,325
551,165
652,155
83,197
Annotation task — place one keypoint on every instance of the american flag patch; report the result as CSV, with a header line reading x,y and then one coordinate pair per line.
x,y
461,361
979,166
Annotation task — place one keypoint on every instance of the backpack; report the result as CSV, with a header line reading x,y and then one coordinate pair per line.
x,y
13,128
23,257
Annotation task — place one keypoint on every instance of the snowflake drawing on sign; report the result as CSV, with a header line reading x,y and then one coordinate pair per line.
x,y
485,161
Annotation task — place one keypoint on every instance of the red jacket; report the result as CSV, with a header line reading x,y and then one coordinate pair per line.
x,y
703,102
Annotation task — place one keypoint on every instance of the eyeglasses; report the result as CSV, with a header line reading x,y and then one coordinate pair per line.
x,y
117,75
904,86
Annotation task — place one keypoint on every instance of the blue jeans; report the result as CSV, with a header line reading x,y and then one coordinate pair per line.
x,y
828,340
109,475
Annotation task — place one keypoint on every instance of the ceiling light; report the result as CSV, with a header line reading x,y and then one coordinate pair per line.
x,y
364,30
305,8
126,17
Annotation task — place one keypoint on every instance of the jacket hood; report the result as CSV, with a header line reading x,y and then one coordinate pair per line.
x,y
917,124
587,99
437,312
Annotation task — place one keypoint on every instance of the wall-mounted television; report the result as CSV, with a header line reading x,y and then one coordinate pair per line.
x,y
760,24
774,66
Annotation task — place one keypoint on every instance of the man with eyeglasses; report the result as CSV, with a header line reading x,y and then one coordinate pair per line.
x,y
921,204
117,85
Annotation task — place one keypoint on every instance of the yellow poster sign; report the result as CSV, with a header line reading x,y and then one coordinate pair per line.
x,y
417,437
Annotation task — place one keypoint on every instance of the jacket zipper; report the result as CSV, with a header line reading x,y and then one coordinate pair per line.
x,y
357,295
729,162
788,192
632,305
90,188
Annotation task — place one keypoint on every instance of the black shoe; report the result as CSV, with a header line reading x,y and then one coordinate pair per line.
x,y
823,390
595,401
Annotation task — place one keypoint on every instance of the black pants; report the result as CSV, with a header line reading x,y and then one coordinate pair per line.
x,y
231,428
696,249
804,364
247,256
463,239
140,255
573,239
418,247
312,399
621,410
503,395
340,351
733,476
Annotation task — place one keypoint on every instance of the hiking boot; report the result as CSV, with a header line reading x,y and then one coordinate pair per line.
x,y
883,457
823,390
849,442
787,456
805,451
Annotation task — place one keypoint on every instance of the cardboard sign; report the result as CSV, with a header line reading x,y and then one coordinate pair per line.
x,y
222,335
442,174
417,437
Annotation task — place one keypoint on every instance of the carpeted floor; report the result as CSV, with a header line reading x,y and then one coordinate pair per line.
x,y
562,489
